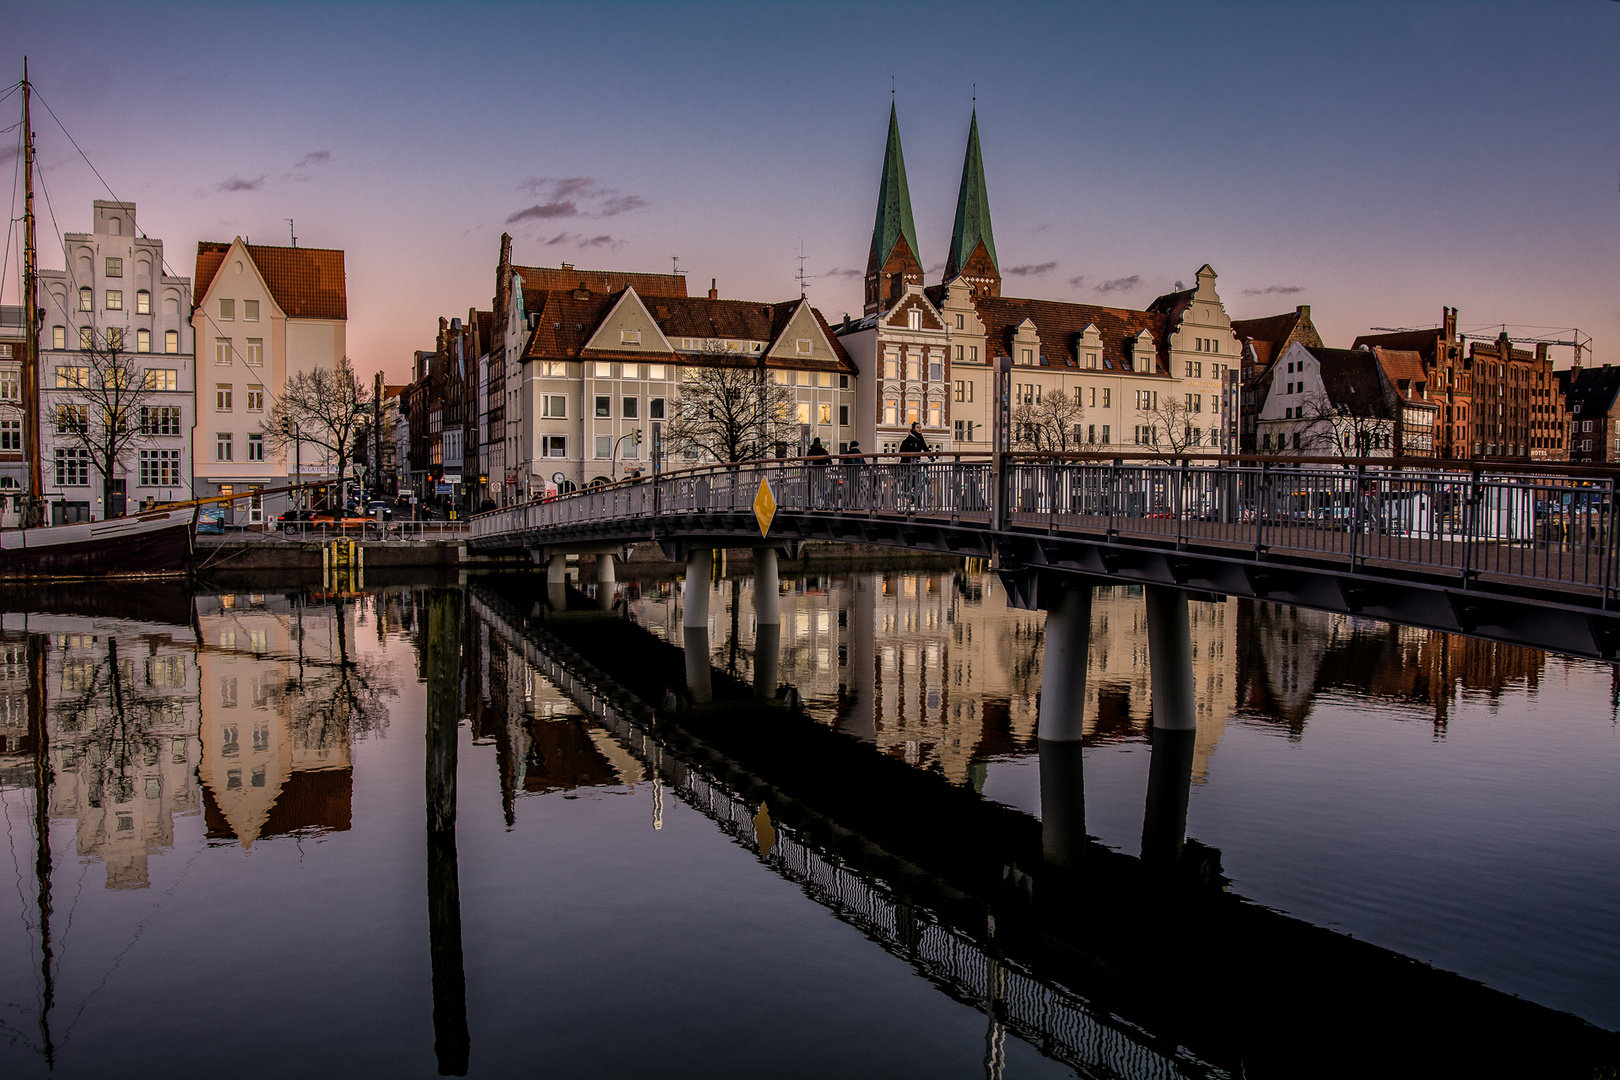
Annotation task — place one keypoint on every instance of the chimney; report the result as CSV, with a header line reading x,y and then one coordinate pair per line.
x,y
1303,311
1449,321
714,293
567,266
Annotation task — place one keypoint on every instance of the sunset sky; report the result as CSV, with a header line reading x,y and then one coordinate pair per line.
x,y
1376,161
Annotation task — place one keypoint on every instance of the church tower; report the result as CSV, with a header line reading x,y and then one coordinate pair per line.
x,y
973,245
894,261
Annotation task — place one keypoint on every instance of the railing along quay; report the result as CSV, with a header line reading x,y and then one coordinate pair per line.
x,y
1539,525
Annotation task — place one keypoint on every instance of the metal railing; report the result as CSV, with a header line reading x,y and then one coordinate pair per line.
x,y
1549,525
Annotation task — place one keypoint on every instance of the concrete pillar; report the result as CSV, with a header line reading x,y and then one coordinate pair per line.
x,y
695,643
605,581
1164,823
767,659
695,598
1063,801
767,588
1170,658
1063,666
557,570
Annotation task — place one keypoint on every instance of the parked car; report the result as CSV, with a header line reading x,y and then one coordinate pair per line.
x,y
211,520
337,519
294,520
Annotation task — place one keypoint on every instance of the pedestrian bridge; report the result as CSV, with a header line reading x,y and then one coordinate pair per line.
x,y
1520,554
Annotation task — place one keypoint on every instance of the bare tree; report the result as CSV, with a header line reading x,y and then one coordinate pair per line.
x,y
1172,425
101,414
329,409
1050,424
1342,430
730,409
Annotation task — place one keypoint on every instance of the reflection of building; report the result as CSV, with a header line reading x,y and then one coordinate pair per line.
x,y
276,714
935,667
120,702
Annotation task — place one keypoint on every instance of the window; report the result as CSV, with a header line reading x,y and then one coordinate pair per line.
x,y
1190,368
161,378
250,310
1026,356
72,466
655,409
554,446
255,403
222,448
227,309
604,446
255,447
604,406
554,406
936,372
222,401
801,412
11,435
160,420
913,368
657,371
1091,360
143,302
115,266
824,413
70,377
255,351
629,337
87,338
973,353
936,413
10,386
631,408
891,365
1104,439
115,299
914,319
843,416
222,350
891,411
58,337
601,370
171,341
115,337
160,468
801,345
86,299
143,340
554,369
964,431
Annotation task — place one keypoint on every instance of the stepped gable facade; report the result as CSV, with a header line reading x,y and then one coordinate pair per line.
x,y
1261,341
1450,378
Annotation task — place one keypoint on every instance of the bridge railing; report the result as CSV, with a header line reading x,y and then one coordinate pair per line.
x,y
1548,524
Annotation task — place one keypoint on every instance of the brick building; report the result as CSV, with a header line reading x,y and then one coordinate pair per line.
x,y
1518,403
1449,375
1593,400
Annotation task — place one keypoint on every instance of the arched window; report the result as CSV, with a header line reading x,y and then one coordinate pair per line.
x,y
115,226
58,337
86,299
171,341
143,340
87,338
143,302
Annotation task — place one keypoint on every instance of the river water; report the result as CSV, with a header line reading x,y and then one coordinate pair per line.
x,y
423,830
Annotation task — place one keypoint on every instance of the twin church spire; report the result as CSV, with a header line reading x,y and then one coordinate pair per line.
x,y
895,260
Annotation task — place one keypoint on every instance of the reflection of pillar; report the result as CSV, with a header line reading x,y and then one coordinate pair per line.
x,y
1063,802
1063,666
695,643
1170,658
605,581
995,1007
695,598
862,657
1164,823
767,658
451,1042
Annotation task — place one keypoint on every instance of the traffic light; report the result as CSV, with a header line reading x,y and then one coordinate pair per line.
x,y
638,436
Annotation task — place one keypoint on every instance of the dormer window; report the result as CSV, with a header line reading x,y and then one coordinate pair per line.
x,y
629,337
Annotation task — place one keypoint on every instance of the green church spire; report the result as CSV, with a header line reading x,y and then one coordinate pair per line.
x,y
894,207
972,214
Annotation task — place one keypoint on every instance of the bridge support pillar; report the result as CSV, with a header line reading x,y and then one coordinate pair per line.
x,y
1169,634
695,597
1063,802
767,622
1063,666
699,677
557,582
605,580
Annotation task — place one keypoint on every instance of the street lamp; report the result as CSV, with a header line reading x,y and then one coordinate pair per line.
x,y
290,430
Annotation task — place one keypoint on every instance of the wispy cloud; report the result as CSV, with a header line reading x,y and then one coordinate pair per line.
x,y
573,196
581,241
937,268
1076,282
840,272
236,183
1120,284
314,157
1275,290
1031,269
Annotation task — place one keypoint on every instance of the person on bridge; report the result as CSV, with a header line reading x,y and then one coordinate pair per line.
x,y
914,444
818,458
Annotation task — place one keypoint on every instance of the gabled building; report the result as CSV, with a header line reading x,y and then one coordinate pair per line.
x,y
1593,399
1262,341
1518,403
263,314
1326,403
13,469
1449,376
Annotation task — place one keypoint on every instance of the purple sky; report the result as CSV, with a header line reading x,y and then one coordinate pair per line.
x,y
1376,161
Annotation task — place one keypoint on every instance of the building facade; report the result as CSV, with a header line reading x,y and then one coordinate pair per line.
x,y
13,469
1593,399
113,295
1518,403
264,314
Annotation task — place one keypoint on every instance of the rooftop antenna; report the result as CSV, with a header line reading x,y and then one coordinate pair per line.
x,y
675,265
803,280
291,233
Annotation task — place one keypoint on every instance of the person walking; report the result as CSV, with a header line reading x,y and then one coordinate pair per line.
x,y
914,444
818,457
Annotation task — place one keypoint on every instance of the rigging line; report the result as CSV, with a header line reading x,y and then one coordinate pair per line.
x,y
11,226
75,143
22,901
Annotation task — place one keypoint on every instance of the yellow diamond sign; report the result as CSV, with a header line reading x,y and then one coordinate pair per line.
x,y
764,506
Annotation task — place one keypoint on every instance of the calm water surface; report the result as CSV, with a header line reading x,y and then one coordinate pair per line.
x,y
237,874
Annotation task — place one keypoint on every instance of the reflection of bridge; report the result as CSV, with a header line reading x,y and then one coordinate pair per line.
x,y
1517,555
1113,965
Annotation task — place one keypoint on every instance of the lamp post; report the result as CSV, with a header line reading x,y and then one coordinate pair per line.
x,y
290,430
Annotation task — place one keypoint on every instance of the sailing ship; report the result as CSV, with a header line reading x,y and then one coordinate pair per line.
x,y
155,542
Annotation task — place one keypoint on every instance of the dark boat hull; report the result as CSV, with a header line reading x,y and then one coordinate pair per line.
x,y
157,543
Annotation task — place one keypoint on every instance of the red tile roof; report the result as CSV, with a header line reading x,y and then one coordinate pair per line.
x,y
306,283
1404,365
557,279
1060,325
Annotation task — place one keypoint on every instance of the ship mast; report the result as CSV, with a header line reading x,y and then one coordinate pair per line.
x,y
33,513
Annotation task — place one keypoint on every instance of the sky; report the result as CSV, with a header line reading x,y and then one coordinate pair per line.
x,y
1376,161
